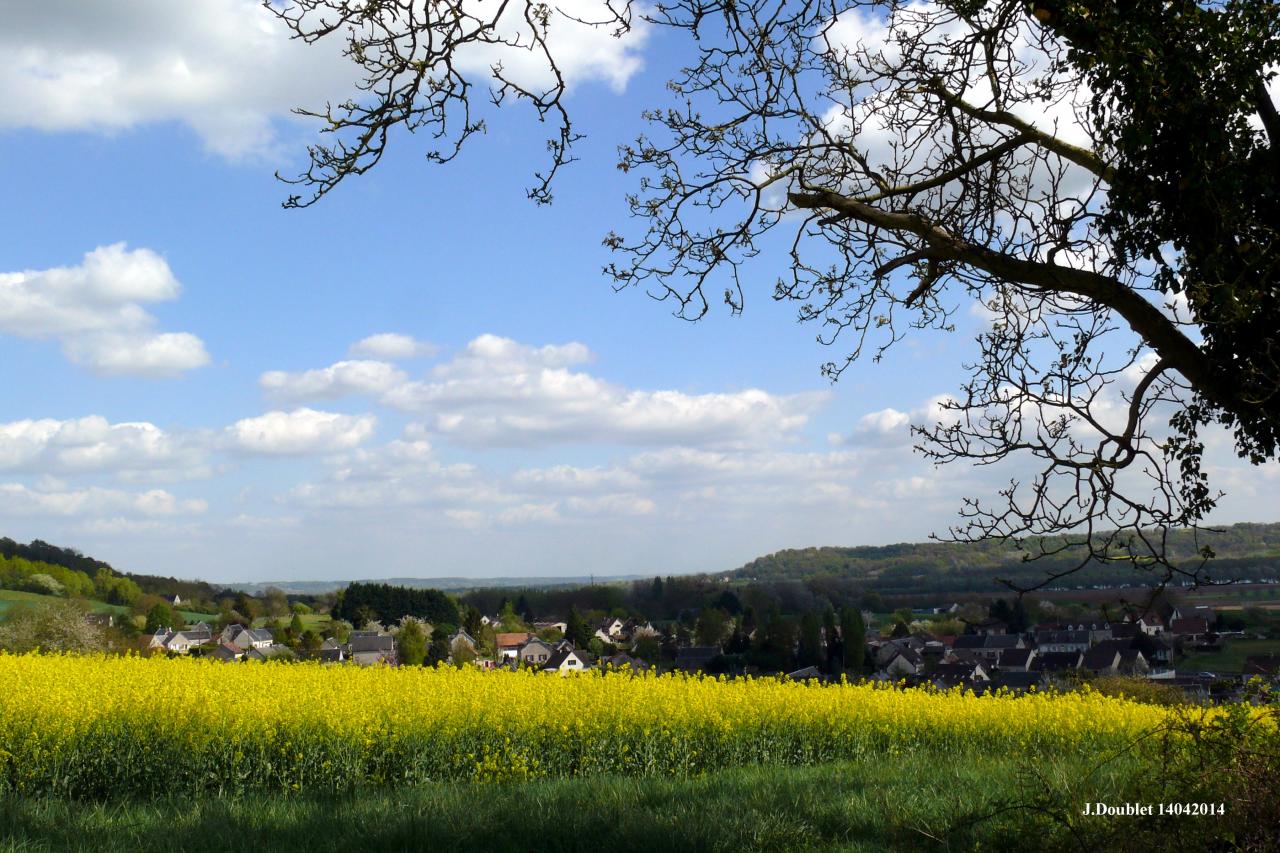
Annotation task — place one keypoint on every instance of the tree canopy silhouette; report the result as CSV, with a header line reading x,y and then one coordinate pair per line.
x,y
1098,180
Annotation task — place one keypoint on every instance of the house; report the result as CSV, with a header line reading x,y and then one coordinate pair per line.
x,y
1018,682
903,661
1161,652
177,601
367,648
551,626
162,638
227,653
805,674
274,651
990,626
247,638
461,640
610,630
179,642
568,661
1016,660
330,651
199,634
536,653
622,659
1192,628
1133,662
1102,659
696,658
948,675
100,620
986,647
634,629
1056,661
1062,641
508,644
1149,624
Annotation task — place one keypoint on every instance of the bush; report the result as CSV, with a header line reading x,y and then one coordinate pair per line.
x,y
44,585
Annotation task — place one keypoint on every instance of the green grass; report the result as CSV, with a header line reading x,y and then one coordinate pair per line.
x,y
11,597
1231,658
918,803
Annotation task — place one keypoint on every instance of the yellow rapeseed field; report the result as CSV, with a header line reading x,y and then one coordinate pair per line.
x,y
93,726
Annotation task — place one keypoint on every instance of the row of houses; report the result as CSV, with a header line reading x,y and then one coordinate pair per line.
x,y
526,649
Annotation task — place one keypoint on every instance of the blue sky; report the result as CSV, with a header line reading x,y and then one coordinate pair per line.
x,y
424,374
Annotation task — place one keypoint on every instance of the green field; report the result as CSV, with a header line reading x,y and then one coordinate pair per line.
x,y
11,597
1231,658
918,803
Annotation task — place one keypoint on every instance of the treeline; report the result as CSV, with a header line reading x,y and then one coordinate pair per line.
x,y
361,603
1240,551
83,575
674,599
43,578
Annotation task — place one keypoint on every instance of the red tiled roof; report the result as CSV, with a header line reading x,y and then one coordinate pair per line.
x,y
516,638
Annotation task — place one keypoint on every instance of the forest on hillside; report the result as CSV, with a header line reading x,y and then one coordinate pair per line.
x,y
1241,551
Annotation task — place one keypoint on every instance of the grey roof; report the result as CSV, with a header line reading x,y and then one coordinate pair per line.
x,y
225,652
1018,680
622,659
1046,638
1056,661
1101,657
970,641
561,656
906,653
271,652
372,643
1015,658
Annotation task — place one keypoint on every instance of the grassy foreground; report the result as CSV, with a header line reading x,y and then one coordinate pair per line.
x,y
919,803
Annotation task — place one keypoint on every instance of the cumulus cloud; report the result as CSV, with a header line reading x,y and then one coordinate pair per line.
x,y
227,69
300,431
95,311
92,444
19,499
391,346
501,392
337,380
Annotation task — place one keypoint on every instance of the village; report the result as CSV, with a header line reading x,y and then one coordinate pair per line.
x,y
990,656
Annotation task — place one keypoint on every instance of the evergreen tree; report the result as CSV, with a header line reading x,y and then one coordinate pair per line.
x,y
577,631
412,643
853,637
810,653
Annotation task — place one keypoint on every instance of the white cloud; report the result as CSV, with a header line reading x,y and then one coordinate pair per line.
x,y
500,392
337,380
92,444
300,431
20,499
391,346
225,68
568,478
95,311
886,424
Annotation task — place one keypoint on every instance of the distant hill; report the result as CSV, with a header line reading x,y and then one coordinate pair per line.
x,y
451,584
38,551
1242,551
